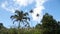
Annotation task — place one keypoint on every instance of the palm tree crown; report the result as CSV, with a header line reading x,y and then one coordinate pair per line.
x,y
21,17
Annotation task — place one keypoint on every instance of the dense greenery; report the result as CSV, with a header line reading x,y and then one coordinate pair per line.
x,y
49,25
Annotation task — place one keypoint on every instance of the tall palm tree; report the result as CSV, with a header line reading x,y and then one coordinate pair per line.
x,y
20,17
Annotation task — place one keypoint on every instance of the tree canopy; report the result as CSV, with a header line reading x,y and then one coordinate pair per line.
x,y
20,16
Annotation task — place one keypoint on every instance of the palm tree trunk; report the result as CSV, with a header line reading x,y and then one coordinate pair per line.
x,y
19,25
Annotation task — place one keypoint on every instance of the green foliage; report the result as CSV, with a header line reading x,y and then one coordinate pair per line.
x,y
49,25
1,26
49,22
12,31
38,26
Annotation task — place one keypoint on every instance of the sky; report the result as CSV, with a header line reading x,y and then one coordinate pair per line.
x,y
8,7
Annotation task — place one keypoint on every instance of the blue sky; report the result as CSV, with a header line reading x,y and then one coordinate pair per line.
x,y
7,8
53,8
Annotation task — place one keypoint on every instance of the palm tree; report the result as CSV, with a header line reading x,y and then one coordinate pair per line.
x,y
20,17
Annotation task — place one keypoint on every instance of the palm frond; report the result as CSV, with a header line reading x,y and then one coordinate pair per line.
x,y
25,14
26,18
21,12
27,24
14,21
17,12
13,17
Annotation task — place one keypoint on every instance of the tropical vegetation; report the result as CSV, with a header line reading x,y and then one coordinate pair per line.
x,y
49,24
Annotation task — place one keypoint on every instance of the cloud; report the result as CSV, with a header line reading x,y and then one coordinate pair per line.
x,y
13,5
9,6
23,2
38,10
5,5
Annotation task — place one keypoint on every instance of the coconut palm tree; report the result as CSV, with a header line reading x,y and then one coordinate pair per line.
x,y
20,17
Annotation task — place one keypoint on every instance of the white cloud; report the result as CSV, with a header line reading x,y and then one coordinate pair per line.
x,y
23,2
11,9
19,3
38,10
3,5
